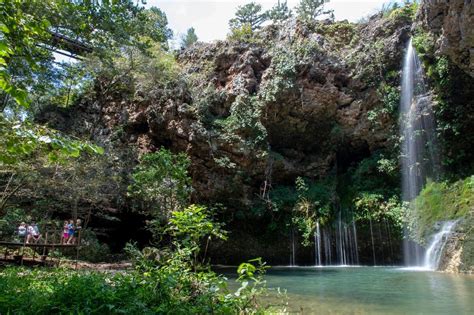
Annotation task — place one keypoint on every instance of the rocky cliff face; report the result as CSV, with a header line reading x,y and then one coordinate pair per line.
x,y
452,24
296,102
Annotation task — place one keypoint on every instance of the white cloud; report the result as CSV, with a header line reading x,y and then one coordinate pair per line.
x,y
210,17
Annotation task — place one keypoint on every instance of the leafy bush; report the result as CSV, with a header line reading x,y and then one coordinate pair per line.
x,y
169,289
161,181
393,10
242,34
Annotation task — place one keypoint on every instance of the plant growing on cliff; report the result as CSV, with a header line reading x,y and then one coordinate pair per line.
x,y
308,10
244,123
250,15
160,183
280,12
310,208
242,34
394,10
189,38
440,202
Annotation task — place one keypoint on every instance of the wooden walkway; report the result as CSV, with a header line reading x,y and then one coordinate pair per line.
x,y
18,244
41,248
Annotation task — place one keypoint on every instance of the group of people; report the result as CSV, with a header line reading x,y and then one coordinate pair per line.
x,y
31,234
71,231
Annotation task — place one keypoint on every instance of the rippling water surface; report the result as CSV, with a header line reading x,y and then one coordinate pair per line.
x,y
371,290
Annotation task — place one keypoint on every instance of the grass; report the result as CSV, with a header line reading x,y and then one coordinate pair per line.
x,y
443,201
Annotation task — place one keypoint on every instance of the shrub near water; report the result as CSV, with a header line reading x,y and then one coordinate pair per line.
x,y
170,289
169,280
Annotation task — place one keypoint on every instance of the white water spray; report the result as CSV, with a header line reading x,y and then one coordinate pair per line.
x,y
437,244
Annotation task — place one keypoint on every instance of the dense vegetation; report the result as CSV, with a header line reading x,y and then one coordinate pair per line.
x,y
164,281
251,153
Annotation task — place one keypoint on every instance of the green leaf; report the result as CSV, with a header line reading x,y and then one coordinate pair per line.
x,y
21,97
4,29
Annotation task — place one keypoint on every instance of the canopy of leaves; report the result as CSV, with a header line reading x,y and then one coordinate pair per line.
x,y
249,14
189,39
311,9
161,180
280,12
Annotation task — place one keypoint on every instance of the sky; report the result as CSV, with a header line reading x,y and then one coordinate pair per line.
x,y
210,18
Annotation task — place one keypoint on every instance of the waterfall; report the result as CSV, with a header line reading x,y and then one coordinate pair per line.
x,y
372,239
346,249
327,248
419,158
333,245
293,249
436,246
356,249
317,245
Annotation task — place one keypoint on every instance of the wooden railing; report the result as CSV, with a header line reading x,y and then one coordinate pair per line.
x,y
50,242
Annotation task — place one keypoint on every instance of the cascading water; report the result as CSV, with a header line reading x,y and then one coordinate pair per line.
x,y
317,244
336,245
372,241
293,249
436,246
420,158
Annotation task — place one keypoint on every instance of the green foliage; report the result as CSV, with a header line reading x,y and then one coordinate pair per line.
x,y
390,96
313,205
135,74
341,33
10,222
244,122
393,10
308,10
249,15
372,206
440,202
169,289
424,44
242,34
370,190
91,249
191,225
161,180
283,70
18,37
165,281
280,12
189,39
22,140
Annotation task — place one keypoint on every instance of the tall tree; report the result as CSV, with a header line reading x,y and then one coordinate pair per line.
x,y
249,14
280,12
189,39
311,9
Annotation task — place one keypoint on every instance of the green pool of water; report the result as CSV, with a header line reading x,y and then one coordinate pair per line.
x,y
372,290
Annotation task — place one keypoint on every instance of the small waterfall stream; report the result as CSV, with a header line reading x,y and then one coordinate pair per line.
x,y
317,245
293,249
436,246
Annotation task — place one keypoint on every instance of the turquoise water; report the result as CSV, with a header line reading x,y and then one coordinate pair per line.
x,y
372,290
